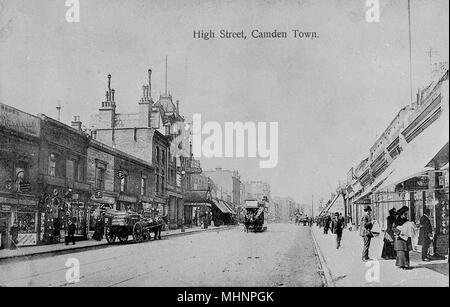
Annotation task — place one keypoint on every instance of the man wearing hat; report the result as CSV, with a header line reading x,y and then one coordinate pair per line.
x,y
365,231
338,226
425,234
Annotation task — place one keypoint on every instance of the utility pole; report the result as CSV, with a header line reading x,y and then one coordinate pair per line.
x,y
410,51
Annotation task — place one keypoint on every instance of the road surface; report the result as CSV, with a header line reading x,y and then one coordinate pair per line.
x,y
282,256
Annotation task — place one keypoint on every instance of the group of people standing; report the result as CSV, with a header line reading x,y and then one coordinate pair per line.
x,y
335,224
397,241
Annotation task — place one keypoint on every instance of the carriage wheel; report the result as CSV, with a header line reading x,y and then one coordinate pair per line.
x,y
110,235
123,235
138,233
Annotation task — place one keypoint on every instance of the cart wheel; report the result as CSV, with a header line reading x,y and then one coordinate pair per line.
x,y
138,233
110,235
123,235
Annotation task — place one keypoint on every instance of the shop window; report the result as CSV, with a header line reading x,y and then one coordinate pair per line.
x,y
52,165
26,221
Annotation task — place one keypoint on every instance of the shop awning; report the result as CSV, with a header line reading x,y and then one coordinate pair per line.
x,y
420,152
222,206
374,186
229,207
197,198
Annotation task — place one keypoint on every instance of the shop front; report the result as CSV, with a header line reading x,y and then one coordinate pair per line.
x,y
19,218
56,213
128,203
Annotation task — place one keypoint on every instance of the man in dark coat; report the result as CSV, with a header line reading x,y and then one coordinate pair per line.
x,y
365,231
425,234
71,232
327,224
338,227
14,232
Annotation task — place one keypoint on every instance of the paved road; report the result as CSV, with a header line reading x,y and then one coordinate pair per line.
x,y
282,256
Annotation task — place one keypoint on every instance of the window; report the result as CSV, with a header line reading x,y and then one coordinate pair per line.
x,y
143,185
124,183
52,165
163,157
100,179
80,171
19,176
157,180
70,169
158,158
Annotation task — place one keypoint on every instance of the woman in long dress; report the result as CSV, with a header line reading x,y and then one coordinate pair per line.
x,y
388,246
403,242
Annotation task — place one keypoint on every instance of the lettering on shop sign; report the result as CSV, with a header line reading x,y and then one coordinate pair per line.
x,y
19,121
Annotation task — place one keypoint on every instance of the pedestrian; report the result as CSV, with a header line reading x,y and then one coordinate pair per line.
x,y
425,234
388,240
14,232
349,223
71,232
404,231
327,224
338,227
366,231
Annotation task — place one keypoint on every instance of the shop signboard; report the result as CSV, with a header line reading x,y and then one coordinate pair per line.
x,y
19,121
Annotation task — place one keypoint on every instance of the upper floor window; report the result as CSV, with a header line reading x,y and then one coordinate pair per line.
x,y
70,169
124,183
158,157
143,185
163,156
80,171
52,165
100,178
19,173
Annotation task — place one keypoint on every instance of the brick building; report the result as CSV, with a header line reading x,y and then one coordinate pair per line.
x,y
19,189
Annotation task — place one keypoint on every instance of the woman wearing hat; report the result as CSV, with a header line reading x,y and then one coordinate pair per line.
x,y
388,246
403,244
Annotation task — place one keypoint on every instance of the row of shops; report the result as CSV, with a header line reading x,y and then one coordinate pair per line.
x,y
45,220
407,166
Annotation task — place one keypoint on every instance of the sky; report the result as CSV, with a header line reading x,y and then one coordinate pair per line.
x,y
331,96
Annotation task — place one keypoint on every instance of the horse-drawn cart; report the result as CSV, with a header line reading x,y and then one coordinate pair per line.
x,y
123,224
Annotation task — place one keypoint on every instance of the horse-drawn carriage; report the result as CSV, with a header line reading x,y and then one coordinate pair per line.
x,y
123,224
254,217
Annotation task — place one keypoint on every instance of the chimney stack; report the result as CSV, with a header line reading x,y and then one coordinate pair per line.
x,y
149,84
112,94
76,123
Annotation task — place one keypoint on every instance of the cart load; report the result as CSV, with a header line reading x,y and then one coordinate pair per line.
x,y
123,224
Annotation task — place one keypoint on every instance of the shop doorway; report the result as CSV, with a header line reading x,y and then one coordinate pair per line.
x,y
5,224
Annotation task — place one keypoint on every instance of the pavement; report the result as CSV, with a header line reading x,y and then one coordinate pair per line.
x,y
284,255
344,268
61,248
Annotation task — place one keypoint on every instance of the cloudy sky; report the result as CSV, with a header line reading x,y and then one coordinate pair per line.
x,y
331,96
